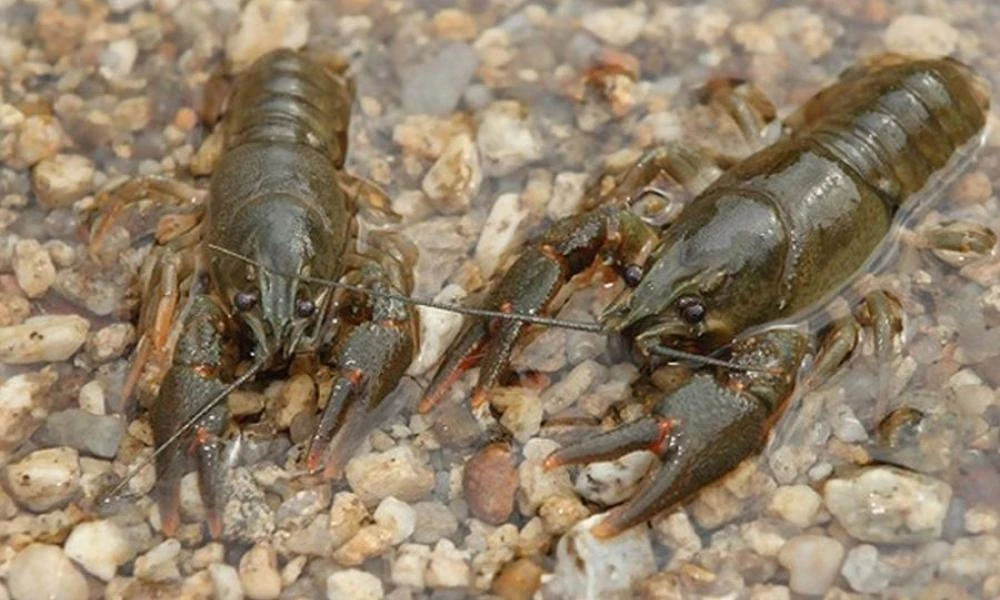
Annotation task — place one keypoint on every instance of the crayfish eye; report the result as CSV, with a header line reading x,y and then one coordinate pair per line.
x,y
691,308
244,301
632,275
305,308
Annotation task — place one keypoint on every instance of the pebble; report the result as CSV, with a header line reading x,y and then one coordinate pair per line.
x,y
982,519
590,569
44,479
889,505
266,25
797,504
864,571
410,565
40,137
501,232
567,194
396,472
347,514
846,426
454,179
812,562
438,328
369,542
615,26
118,59
560,513
435,85
396,516
972,558
42,572
259,575
247,515
920,36
435,521
448,567
225,582
14,308
160,563
33,268
454,24
519,580
505,139
537,483
353,584
298,396
23,407
97,435
109,342
45,338
490,482
522,411
612,482
62,180
562,394
100,547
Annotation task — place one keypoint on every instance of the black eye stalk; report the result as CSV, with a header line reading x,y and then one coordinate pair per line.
x,y
305,308
691,308
632,275
244,301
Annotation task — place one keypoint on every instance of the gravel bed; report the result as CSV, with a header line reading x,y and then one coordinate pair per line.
x,y
484,122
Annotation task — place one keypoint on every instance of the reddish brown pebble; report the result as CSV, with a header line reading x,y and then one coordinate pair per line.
x,y
185,119
519,580
490,482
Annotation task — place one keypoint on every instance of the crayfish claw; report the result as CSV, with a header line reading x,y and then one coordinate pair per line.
x,y
647,433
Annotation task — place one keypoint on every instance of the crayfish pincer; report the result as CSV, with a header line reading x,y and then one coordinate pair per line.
x,y
764,245
278,220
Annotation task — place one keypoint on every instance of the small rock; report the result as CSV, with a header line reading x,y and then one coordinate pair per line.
x,y
23,407
109,342
920,36
396,516
519,580
615,26
561,395
225,581
591,569
560,513
765,537
454,179
45,478
567,194
812,562
889,505
354,584
448,567
982,519
266,25
118,59
160,563
42,572
45,338
522,412
397,472
259,574
14,309
247,515
369,542
505,139
100,547
33,268
435,521
410,565
62,180
97,435
501,232
301,507
846,426
134,114
435,85
298,396
797,504
612,482
454,24
40,137
537,483
864,571
438,328
347,514
971,559
490,482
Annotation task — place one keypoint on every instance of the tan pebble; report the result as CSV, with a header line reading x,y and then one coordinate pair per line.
x,y
45,478
347,514
519,580
259,574
185,119
298,395
448,566
33,268
454,24
100,547
62,179
354,584
454,179
812,562
410,565
490,483
921,36
560,513
14,308
134,113
46,338
266,25
225,581
973,188
42,572
160,563
40,137
370,542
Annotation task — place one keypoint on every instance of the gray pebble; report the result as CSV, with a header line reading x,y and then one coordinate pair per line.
x,y
435,85
97,435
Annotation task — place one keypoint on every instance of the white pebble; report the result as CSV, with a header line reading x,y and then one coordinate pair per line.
x,y
864,571
438,328
23,407
920,36
500,232
259,574
396,472
45,338
567,194
266,25
448,567
100,547
33,268
91,398
119,58
62,179
225,581
45,478
398,517
160,563
812,562
612,482
410,565
42,572
615,26
797,504
353,584
453,180
505,139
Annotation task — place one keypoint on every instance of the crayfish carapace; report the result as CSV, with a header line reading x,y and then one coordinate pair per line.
x,y
774,237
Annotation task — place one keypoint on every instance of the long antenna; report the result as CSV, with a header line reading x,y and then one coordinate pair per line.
x,y
455,308
191,422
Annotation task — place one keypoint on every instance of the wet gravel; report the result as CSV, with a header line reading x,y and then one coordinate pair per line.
x,y
484,121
